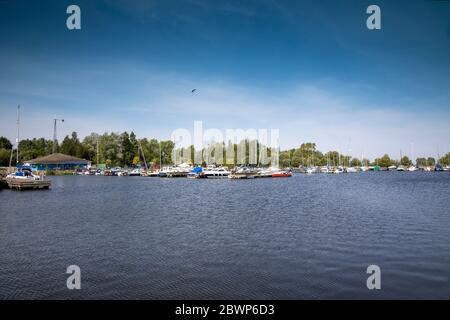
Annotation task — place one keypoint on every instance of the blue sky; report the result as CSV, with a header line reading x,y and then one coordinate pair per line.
x,y
309,68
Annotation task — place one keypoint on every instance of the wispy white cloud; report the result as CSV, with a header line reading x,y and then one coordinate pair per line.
x,y
335,116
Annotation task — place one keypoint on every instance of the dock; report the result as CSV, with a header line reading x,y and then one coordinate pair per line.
x,y
3,183
246,175
175,174
25,184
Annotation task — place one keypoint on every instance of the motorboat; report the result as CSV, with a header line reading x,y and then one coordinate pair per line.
x,y
23,172
216,173
24,178
339,170
325,169
135,173
196,173
267,173
311,170
282,174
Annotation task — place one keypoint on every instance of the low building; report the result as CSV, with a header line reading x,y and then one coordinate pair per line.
x,y
58,161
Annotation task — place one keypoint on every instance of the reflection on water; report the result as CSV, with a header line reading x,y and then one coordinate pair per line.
x,y
310,236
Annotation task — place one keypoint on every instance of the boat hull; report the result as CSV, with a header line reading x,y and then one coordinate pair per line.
x,y
282,175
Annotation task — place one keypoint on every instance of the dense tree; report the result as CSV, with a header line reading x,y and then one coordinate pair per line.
x,y
126,150
404,161
31,149
384,161
445,160
355,162
425,162
5,155
5,151
5,143
72,146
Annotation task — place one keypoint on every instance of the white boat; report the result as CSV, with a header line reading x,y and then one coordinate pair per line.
x,y
196,173
311,170
181,170
23,173
216,173
364,168
401,168
339,170
325,169
412,168
392,168
267,172
243,173
153,174
135,173
351,169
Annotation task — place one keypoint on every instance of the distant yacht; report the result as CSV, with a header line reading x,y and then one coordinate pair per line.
x,y
338,170
135,173
325,169
311,170
267,173
282,174
216,173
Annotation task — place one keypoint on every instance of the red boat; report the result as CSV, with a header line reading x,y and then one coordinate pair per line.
x,y
282,174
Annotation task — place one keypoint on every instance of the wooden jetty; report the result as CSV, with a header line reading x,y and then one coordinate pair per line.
x,y
177,174
3,183
26,184
243,175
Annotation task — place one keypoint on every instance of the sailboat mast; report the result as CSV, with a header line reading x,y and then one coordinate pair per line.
x,y
160,156
143,155
97,150
17,137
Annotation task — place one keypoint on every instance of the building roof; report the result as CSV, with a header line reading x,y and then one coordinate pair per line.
x,y
57,158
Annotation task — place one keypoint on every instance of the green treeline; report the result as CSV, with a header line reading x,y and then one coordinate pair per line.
x,y
113,149
126,150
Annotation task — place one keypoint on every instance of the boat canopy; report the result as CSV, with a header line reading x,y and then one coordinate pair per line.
x,y
197,170
25,166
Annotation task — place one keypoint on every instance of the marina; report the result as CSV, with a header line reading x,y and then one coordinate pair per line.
x,y
24,178
245,172
221,157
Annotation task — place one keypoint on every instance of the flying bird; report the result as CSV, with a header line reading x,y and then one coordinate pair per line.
x,y
193,90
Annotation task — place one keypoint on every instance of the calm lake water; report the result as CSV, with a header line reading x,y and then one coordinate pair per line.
x,y
310,236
